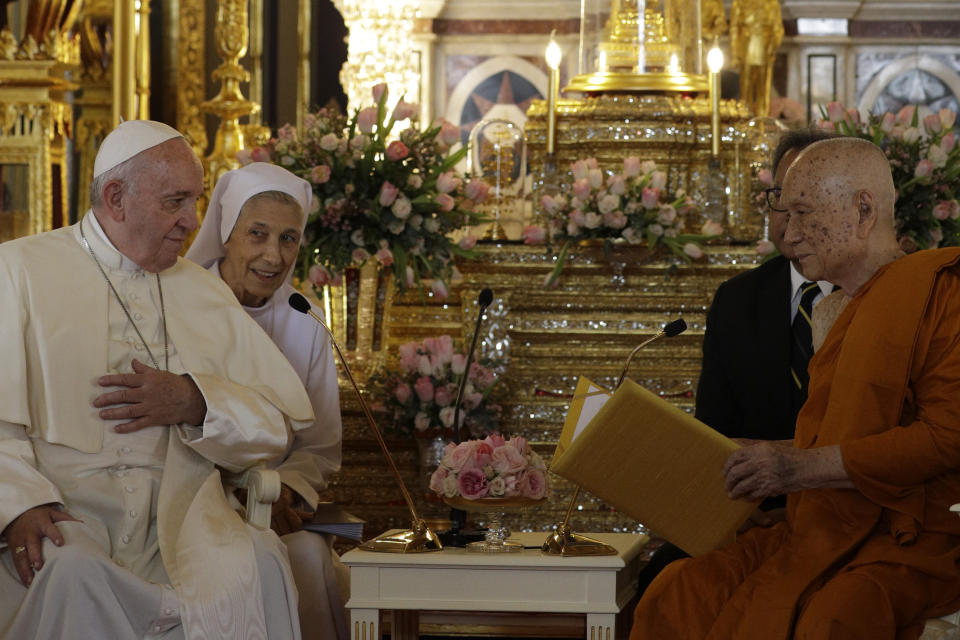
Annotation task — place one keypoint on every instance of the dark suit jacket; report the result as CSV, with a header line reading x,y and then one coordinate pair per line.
x,y
745,388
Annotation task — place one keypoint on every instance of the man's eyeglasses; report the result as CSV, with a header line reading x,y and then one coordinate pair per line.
x,y
773,199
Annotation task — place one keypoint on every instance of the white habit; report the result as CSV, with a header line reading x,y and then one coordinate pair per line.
x,y
151,502
315,452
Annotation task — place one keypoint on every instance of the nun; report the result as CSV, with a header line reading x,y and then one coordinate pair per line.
x,y
250,238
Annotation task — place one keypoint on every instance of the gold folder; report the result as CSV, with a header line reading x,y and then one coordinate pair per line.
x,y
652,461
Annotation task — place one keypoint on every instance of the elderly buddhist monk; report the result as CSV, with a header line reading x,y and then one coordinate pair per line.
x,y
869,549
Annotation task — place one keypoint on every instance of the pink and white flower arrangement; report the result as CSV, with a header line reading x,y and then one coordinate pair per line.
x,y
925,160
420,396
491,468
393,198
633,206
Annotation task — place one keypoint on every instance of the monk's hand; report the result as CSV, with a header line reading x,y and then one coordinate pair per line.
x,y
761,518
25,538
150,397
769,469
284,518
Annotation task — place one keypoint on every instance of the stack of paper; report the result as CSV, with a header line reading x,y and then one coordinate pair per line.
x,y
331,518
652,461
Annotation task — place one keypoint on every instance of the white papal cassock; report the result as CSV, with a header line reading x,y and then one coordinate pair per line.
x,y
158,543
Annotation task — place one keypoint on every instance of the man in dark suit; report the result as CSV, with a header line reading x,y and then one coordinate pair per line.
x,y
753,379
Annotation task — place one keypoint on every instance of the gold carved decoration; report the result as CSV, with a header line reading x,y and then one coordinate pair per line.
x,y
756,30
230,33
191,74
35,117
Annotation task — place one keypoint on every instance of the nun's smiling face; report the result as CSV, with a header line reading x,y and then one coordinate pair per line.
x,y
261,249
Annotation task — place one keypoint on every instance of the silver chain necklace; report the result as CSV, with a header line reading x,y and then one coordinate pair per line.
x,y
163,313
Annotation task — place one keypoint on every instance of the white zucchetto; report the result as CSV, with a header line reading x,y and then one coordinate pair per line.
x,y
233,189
129,139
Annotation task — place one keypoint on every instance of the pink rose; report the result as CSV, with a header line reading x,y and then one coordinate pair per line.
x,y
388,194
424,388
650,198
320,174
445,201
319,275
765,177
436,480
906,115
520,444
580,170
259,154
581,189
533,484
442,397
468,241
495,440
826,125
534,234
359,255
693,250
409,358
631,166
483,450
932,123
439,289
924,169
463,456
946,209
366,119
888,122
507,460
405,110
447,182
397,151
477,190
947,142
473,484
853,115
379,92
402,392
385,257
449,133
615,219
835,111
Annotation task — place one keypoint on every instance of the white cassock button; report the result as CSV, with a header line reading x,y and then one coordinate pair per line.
x,y
168,612
125,449
138,316
133,513
129,489
125,539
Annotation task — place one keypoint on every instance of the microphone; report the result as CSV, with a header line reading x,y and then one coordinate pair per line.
x,y
563,541
420,537
483,301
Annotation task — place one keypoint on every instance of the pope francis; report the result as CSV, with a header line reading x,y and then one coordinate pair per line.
x,y
130,375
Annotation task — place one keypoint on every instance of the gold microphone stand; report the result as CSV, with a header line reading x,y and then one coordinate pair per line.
x,y
563,541
420,537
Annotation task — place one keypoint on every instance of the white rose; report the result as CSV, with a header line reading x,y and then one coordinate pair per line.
x,y
402,207
608,203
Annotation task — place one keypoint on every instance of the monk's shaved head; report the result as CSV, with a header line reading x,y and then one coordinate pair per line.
x,y
839,196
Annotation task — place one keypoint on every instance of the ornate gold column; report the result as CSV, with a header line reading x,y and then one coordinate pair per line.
x,y
95,98
229,105
142,59
124,61
191,71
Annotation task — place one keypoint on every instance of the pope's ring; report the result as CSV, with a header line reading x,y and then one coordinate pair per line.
x,y
19,549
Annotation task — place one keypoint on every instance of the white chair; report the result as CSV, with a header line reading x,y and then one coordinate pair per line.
x,y
263,489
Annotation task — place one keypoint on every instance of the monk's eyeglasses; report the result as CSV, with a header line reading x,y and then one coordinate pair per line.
x,y
773,199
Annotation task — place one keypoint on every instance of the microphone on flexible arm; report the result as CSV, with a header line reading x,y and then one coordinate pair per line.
x,y
420,537
483,301
563,541
455,537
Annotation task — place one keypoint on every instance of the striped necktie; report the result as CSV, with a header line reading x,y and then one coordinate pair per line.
x,y
802,347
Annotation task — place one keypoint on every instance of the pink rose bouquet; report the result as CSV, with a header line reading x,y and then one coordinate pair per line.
x,y
925,159
634,206
419,397
392,198
491,468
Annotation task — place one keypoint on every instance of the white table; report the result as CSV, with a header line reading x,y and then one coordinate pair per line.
x,y
515,584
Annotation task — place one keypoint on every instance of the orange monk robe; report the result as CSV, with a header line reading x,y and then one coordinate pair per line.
x,y
870,563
